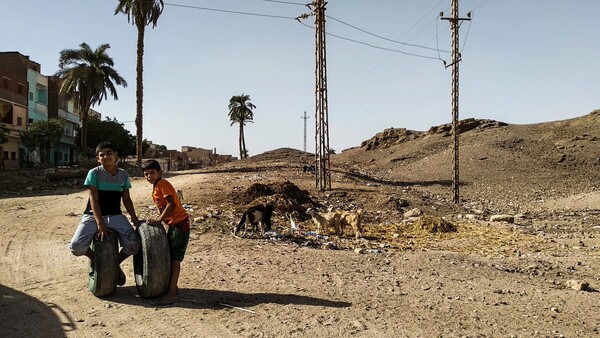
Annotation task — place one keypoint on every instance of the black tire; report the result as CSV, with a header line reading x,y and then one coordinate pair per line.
x,y
102,280
152,263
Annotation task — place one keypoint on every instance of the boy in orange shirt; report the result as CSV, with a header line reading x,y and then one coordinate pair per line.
x,y
174,215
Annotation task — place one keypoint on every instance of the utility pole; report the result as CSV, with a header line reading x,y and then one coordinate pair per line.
x,y
322,164
322,172
304,117
456,58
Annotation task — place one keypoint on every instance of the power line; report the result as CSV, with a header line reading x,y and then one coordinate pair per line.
x,y
231,12
373,46
285,2
384,38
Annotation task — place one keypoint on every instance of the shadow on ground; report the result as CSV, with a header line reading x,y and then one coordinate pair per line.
x,y
219,299
24,316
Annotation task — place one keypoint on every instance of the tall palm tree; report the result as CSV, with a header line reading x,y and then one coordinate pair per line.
x,y
140,13
89,76
240,111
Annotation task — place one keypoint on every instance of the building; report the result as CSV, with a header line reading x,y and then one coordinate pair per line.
x,y
62,107
19,79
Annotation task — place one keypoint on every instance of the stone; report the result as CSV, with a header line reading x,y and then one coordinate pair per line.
x,y
502,218
578,285
413,213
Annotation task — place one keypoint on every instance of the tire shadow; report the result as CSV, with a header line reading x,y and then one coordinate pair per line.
x,y
219,299
24,316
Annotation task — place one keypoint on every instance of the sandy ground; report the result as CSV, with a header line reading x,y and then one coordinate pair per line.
x,y
486,280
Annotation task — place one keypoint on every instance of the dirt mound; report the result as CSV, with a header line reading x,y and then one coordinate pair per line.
x,y
282,154
285,196
255,191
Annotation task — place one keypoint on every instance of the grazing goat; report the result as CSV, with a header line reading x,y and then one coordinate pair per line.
x,y
257,217
352,219
325,221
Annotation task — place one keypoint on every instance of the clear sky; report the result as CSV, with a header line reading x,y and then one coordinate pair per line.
x,y
524,61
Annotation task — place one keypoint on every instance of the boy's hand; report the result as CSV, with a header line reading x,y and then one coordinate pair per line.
x,y
136,222
153,221
102,232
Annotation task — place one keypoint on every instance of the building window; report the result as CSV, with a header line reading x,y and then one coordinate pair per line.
x,y
13,155
20,88
5,155
42,96
5,83
19,121
30,96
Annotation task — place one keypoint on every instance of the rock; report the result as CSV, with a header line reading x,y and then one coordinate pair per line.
x,y
413,213
578,285
471,216
360,250
502,218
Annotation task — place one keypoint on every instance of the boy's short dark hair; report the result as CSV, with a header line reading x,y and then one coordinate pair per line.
x,y
104,145
151,164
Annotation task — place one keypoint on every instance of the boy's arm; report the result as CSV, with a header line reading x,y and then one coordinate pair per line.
x,y
102,229
166,212
129,207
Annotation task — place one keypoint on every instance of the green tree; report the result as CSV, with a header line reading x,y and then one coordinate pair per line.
x,y
240,111
3,136
41,134
110,130
140,13
89,76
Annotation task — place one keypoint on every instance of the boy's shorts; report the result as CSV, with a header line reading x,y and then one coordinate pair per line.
x,y
179,236
84,235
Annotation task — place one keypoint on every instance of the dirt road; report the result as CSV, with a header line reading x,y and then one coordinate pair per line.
x,y
451,286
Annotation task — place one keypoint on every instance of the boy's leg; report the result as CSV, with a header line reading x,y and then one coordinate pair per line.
x,y
128,239
179,236
83,237
172,292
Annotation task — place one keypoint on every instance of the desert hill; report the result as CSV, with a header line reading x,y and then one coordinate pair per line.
x,y
499,162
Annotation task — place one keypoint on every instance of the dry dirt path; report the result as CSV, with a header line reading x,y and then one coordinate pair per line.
x,y
288,290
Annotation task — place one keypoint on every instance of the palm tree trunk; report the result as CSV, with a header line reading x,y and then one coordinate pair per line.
x,y
84,121
240,141
139,91
244,145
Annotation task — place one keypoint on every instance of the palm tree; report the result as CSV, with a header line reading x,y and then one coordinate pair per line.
x,y
141,13
240,111
89,75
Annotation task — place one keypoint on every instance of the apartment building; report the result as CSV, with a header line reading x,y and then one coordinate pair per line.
x,y
18,87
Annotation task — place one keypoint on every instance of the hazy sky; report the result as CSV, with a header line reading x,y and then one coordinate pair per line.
x,y
524,61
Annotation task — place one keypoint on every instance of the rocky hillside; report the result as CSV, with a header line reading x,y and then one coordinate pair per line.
x,y
499,162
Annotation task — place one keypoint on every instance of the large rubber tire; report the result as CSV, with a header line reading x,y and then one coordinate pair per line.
x,y
152,263
102,280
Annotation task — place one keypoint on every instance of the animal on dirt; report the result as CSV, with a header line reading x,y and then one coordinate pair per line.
x,y
352,219
256,218
309,169
180,195
326,220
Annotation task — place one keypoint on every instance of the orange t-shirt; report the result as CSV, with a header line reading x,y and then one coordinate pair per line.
x,y
162,189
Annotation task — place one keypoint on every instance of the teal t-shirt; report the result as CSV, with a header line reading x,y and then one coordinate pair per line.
x,y
110,189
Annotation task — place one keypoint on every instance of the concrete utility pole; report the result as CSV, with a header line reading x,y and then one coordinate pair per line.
x,y
322,165
456,58
305,117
